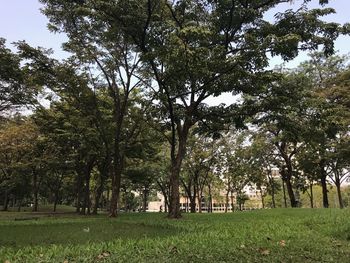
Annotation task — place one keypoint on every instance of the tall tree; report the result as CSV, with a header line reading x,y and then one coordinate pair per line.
x,y
192,50
197,49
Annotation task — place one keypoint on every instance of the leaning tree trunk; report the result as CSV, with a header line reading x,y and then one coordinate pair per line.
x,y
284,193
290,191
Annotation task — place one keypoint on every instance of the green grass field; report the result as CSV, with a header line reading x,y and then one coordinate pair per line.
x,y
283,235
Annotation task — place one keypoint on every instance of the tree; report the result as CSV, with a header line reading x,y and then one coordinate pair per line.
x,y
15,89
109,60
183,52
197,49
16,147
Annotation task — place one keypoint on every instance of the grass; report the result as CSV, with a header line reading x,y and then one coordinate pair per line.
x,y
282,235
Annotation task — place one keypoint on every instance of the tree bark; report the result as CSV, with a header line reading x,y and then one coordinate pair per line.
x,y
19,205
323,179
311,196
116,182
144,199
55,201
79,187
232,204
340,199
284,194
176,162
290,191
227,200
210,206
36,191
98,195
272,182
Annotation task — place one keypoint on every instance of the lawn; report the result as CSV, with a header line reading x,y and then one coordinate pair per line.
x,y
282,235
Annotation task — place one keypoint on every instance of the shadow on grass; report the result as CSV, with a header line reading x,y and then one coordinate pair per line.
x,y
70,233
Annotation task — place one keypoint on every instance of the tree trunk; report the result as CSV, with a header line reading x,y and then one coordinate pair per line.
x,y
116,182
262,198
174,208
210,208
311,196
192,204
290,191
98,195
144,199
79,188
176,162
272,182
19,205
199,198
337,184
284,193
323,178
87,202
226,200
36,191
232,204
55,202
6,201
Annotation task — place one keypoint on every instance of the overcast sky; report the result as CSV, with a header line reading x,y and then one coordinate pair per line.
x,y
22,20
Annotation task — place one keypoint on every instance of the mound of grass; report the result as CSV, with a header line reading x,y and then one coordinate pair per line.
x,y
284,235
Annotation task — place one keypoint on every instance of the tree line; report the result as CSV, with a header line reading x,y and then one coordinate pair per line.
x,y
130,102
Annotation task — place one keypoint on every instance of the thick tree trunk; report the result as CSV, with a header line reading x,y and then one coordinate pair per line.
x,y
116,182
290,191
192,204
340,199
176,162
174,208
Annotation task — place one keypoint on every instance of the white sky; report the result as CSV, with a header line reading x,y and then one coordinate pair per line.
x,y
22,20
